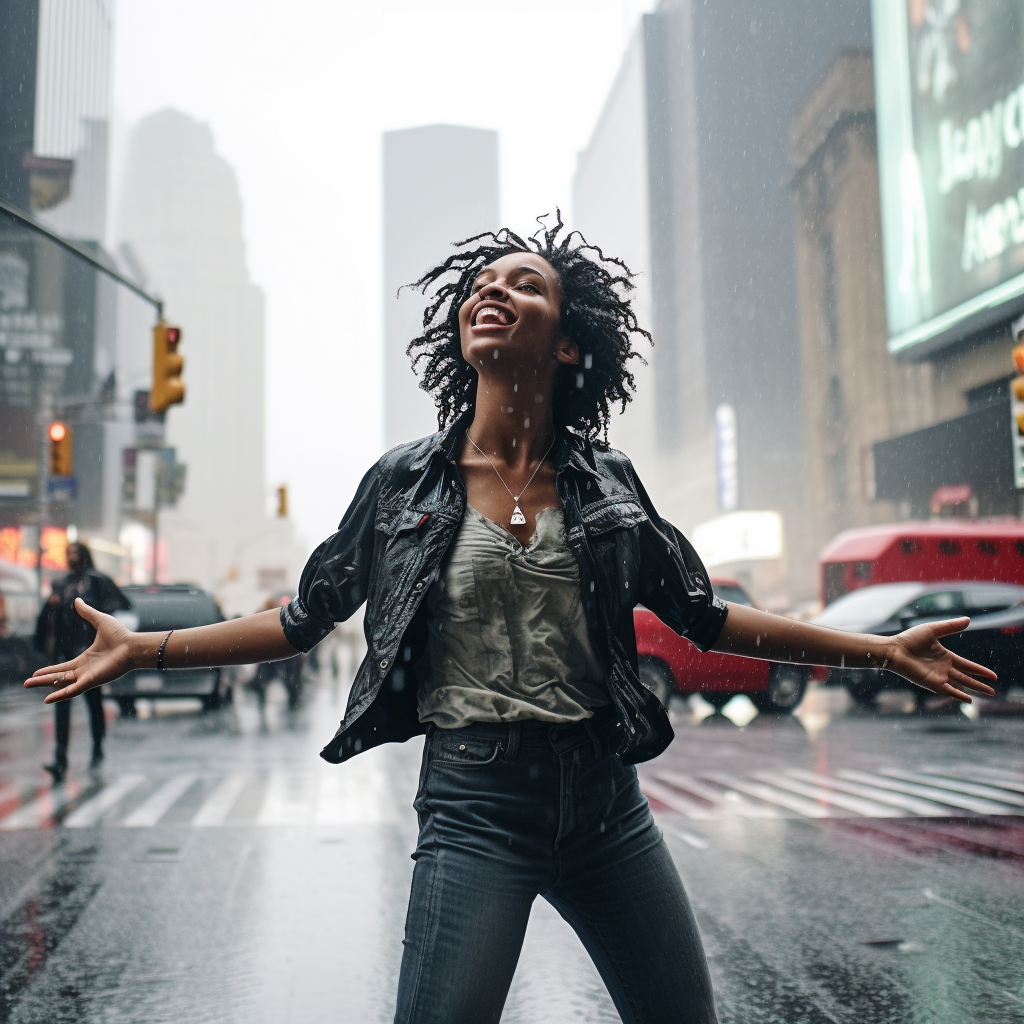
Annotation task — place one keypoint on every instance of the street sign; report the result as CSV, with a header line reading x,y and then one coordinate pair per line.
x,y
62,488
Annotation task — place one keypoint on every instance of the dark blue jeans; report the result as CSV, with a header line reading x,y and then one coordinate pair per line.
x,y
510,812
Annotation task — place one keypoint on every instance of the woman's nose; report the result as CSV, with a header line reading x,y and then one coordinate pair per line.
x,y
494,290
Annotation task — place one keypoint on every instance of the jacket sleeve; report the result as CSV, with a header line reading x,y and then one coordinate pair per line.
x,y
336,578
109,598
673,581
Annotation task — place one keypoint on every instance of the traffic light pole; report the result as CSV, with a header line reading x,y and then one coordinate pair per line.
x,y
82,253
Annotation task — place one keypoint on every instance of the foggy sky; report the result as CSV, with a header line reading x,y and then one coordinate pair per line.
x,y
297,96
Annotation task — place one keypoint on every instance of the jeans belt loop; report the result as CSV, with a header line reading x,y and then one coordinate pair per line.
x,y
594,738
512,745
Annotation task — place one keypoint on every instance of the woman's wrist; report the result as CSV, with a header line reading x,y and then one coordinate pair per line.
x,y
143,647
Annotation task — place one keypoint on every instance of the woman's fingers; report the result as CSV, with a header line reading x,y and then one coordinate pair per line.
x,y
52,673
90,614
72,690
968,683
972,668
948,626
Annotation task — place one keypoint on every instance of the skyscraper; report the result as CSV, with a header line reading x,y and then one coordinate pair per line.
x,y
440,186
181,213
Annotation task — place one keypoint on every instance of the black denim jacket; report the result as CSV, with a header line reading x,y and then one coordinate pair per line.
x,y
390,548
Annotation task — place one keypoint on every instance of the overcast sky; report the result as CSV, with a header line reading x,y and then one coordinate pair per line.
x,y
297,96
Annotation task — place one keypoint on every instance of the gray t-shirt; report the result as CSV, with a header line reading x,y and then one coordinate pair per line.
x,y
508,637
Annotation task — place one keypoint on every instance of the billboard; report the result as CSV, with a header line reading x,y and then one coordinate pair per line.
x,y
949,84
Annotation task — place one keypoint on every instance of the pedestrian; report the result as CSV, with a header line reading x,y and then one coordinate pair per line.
x,y
500,560
62,633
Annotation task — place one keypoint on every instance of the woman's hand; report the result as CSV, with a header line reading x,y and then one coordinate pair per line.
x,y
109,656
918,656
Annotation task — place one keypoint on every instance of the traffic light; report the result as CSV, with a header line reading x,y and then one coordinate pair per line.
x,y
168,387
1017,388
1017,405
282,502
60,449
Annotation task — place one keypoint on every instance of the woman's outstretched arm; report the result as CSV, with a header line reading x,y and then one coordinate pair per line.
x,y
117,650
915,654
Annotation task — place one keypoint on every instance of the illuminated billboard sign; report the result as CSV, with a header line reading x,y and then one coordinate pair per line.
x,y
949,83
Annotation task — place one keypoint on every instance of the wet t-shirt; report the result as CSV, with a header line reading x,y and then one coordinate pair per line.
x,y
508,637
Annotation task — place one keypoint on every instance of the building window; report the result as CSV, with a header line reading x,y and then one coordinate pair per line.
x,y
828,291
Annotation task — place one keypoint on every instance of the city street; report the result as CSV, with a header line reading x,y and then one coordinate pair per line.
x,y
843,867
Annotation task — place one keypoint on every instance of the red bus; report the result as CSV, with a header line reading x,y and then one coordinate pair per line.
x,y
928,552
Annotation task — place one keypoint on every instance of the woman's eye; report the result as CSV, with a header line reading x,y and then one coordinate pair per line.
x,y
532,287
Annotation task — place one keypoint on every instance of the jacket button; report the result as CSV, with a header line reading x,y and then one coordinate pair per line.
x,y
384,662
419,586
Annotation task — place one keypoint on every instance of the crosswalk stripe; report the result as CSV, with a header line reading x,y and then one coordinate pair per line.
x,y
957,786
857,804
288,800
675,800
219,803
38,812
731,799
808,808
151,810
351,798
968,803
991,776
106,799
910,804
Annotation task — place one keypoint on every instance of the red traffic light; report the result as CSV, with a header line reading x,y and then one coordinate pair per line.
x,y
58,431
173,335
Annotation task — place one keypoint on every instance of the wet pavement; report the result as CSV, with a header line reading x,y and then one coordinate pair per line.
x,y
843,866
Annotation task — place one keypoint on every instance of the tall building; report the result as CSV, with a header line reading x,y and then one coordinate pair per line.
x,y
180,214
686,174
440,186
57,314
855,392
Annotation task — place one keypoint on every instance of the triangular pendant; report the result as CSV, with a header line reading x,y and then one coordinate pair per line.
x,y
518,519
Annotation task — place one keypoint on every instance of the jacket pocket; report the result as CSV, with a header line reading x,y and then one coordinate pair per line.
x,y
615,513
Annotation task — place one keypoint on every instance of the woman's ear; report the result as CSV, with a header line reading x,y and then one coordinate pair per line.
x,y
567,351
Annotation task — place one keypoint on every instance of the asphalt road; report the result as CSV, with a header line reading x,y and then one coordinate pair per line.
x,y
844,867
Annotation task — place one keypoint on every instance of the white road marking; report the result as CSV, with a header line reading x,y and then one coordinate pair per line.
x,y
690,838
967,803
38,812
92,810
675,799
151,810
857,804
808,808
288,800
992,776
957,786
219,803
729,799
913,805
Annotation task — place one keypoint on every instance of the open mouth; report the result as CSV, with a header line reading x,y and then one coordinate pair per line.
x,y
492,316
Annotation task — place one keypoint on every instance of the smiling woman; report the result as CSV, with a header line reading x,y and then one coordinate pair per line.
x,y
501,560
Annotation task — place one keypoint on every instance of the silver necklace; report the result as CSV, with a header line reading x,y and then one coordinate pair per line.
x,y
517,518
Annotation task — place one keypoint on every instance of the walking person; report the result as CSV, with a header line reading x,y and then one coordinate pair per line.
x,y
500,560
62,633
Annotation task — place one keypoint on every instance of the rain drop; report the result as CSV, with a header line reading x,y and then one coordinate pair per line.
x,y
588,361
526,423
579,380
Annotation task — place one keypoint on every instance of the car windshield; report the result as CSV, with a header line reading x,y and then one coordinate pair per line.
x,y
869,604
172,609
733,594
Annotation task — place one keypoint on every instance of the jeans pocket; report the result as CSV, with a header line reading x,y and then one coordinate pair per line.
x,y
463,751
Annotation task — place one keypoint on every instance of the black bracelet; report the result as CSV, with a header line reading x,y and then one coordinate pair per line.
x,y
160,652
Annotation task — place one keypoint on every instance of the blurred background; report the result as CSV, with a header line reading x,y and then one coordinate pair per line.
x,y
274,176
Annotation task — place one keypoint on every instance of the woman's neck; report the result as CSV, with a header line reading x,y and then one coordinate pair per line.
x,y
510,424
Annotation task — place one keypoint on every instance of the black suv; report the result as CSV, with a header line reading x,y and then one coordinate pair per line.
x,y
159,608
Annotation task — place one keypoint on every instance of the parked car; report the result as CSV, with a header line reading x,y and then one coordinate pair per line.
x,y
994,637
670,664
159,608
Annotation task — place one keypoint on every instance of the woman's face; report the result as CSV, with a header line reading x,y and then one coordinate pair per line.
x,y
511,320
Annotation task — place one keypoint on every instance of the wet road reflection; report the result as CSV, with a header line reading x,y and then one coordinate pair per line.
x,y
844,866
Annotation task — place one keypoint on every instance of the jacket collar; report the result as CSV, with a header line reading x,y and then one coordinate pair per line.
x,y
571,450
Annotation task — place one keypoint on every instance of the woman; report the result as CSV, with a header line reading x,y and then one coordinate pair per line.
x,y
500,560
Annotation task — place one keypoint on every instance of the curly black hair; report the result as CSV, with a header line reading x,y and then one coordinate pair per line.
x,y
596,314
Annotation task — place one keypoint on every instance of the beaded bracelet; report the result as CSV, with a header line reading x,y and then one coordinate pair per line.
x,y
160,652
